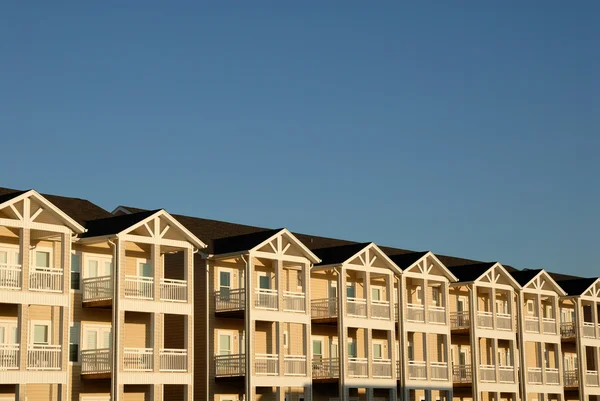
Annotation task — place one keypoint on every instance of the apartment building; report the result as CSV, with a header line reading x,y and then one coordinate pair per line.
x,y
86,300
143,305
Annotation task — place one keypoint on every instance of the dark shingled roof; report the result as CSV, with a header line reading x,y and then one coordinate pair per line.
x,y
338,254
575,286
470,272
80,210
5,197
244,242
115,224
524,276
406,260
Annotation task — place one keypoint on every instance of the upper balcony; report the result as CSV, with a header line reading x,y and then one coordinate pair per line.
x,y
39,357
232,302
40,279
425,301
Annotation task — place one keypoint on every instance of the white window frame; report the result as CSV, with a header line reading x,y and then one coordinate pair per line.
x,y
8,326
322,341
228,398
436,295
226,270
380,343
300,279
231,335
378,288
354,345
262,274
139,262
95,326
11,251
34,323
462,299
98,257
33,259
79,255
529,305
78,325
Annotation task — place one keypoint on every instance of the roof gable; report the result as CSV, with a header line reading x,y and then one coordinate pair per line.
x,y
490,273
538,279
364,255
423,263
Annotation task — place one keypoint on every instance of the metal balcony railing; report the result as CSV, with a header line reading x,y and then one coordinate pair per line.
x,y
437,314
568,330
439,370
589,330
44,357
487,373
503,321
591,378
549,325
138,359
173,290
485,320
325,368
173,360
552,376
534,375
266,364
95,361
228,300
230,365
415,313
460,320
462,374
380,310
571,378
417,370
10,276
358,367
382,368
506,374
47,279
532,324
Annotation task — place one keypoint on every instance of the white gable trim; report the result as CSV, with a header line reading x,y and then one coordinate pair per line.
x,y
307,252
451,277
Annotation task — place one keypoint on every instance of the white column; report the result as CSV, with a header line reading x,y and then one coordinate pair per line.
x,y
249,329
367,287
369,351
493,306
342,331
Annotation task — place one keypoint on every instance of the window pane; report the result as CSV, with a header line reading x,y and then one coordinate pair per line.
x,y
317,347
377,352
92,339
75,263
375,294
107,268
42,259
93,268
40,334
3,257
225,278
224,344
106,339
75,276
350,291
145,269
73,352
264,282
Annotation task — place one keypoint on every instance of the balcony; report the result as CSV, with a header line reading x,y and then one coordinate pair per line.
x,y
589,330
172,290
439,370
532,324
415,313
294,301
139,287
138,359
549,325
380,310
485,320
534,376
552,376
503,321
567,330
265,299
437,314
46,279
96,361
44,357
325,368
230,365
591,378
10,277
230,301
266,364
173,360
97,290
294,365
382,368
356,307
358,367
417,370
487,373
324,308
9,356
571,378
460,320
462,374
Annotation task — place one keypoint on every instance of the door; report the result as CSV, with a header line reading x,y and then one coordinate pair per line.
x,y
225,283
97,337
377,351
97,267
8,332
317,348
225,343
334,350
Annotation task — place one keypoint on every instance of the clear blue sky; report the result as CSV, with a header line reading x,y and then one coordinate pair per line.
x,y
465,128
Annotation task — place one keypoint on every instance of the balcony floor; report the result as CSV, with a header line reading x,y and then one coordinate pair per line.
x,y
235,314
96,376
105,303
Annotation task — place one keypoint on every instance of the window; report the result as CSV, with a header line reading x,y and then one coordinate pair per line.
x,y
377,351
530,307
224,281
97,337
225,341
285,339
41,334
75,271
317,346
352,348
350,290
144,268
264,282
435,296
42,259
299,281
97,266
411,351
8,332
375,294
74,343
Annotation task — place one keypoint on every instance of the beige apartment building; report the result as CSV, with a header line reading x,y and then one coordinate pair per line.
x,y
143,305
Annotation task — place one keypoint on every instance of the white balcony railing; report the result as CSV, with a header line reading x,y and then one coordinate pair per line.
x,y
415,313
552,376
532,324
294,301
534,375
437,314
173,360
97,288
417,370
460,320
382,368
487,373
506,374
9,356
138,359
485,320
47,279
294,365
139,287
228,300
10,276
591,378
589,330
266,364
325,368
230,365
358,367
324,308
356,307
265,298
173,290
439,370
503,321
44,357
549,325
380,309
94,361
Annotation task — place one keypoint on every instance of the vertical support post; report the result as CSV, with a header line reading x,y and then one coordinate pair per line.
x,y
23,310
475,357
307,288
342,331
369,393
425,301
64,338
158,338
543,361
595,317
188,394
66,261
493,307
389,284
24,252
580,348
392,351
367,294
280,282
21,389
157,269
280,393
425,337
249,329
279,347
118,319
369,352
495,358
157,392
